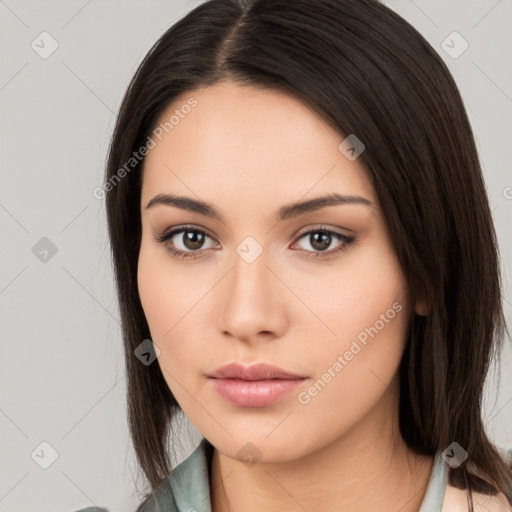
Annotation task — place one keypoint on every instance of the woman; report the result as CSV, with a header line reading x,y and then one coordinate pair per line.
x,y
299,224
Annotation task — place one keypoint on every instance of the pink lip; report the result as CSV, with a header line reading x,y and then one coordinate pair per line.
x,y
258,385
259,371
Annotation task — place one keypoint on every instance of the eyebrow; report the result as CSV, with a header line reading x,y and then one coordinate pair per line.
x,y
284,213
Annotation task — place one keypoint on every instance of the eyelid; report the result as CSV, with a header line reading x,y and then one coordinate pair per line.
x,y
322,227
344,239
303,231
170,232
180,227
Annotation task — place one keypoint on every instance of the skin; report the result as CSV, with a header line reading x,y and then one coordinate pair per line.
x,y
248,152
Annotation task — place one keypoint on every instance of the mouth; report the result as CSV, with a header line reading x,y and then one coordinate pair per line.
x,y
259,385
258,371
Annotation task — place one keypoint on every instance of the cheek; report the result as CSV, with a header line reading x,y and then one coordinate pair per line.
x,y
354,295
167,295
373,302
367,316
153,294
170,301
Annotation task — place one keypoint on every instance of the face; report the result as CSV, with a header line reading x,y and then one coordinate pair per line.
x,y
317,292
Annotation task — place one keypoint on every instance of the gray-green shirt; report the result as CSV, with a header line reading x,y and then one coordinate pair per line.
x,y
187,488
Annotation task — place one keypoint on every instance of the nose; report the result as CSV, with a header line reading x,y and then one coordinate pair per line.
x,y
251,305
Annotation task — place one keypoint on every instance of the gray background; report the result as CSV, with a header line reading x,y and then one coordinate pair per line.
x,y
62,374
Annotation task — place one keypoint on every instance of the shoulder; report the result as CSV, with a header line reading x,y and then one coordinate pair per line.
x,y
161,499
186,488
457,500
93,509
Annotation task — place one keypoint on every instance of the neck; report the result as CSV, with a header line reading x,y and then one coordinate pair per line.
x,y
366,466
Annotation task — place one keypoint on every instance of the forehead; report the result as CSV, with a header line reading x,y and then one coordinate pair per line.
x,y
245,143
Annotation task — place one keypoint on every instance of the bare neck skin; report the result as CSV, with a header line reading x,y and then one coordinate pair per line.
x,y
358,472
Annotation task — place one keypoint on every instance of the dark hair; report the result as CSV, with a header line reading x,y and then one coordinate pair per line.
x,y
368,72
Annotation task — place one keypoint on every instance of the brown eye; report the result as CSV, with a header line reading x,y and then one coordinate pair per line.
x,y
321,239
184,242
192,240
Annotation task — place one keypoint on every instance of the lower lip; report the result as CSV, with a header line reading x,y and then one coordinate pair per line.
x,y
255,393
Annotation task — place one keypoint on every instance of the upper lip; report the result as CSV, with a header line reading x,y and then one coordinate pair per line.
x,y
259,371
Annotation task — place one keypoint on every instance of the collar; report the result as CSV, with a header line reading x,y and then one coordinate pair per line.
x,y
187,488
434,495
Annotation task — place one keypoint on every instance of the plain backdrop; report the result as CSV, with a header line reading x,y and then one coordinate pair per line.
x,y
62,372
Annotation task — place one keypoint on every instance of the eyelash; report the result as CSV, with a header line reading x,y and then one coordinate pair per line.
x,y
168,234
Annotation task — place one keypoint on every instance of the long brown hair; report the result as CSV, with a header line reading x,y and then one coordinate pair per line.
x,y
366,71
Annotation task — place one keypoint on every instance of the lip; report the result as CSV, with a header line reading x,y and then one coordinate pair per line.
x,y
258,385
258,371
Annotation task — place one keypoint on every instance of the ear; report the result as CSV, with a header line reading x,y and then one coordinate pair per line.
x,y
421,308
